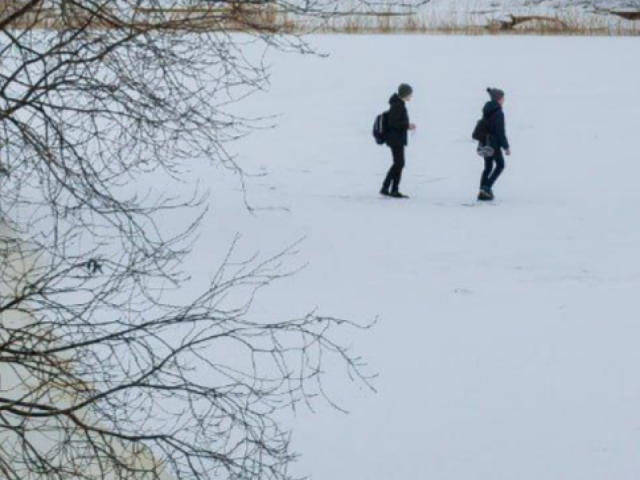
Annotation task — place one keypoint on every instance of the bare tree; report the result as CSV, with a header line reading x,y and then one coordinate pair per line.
x,y
103,373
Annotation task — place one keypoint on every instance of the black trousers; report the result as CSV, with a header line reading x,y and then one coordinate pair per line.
x,y
392,182
493,168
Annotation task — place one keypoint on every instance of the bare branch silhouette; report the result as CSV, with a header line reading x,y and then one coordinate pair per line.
x,y
103,373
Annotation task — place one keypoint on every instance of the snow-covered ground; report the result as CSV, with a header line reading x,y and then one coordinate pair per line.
x,y
507,344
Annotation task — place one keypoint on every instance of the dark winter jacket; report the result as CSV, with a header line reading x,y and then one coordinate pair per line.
x,y
494,115
397,123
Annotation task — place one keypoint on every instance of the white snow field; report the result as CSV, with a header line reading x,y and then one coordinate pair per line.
x,y
508,335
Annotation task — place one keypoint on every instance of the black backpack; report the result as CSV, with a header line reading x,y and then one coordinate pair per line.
x,y
380,128
482,130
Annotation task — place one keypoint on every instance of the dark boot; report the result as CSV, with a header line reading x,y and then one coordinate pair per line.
x,y
398,195
485,195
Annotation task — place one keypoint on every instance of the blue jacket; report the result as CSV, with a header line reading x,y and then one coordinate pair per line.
x,y
397,123
494,115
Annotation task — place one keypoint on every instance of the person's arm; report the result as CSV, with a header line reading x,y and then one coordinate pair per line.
x,y
501,132
411,126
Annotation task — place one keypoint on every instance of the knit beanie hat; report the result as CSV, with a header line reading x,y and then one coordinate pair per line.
x,y
405,90
495,94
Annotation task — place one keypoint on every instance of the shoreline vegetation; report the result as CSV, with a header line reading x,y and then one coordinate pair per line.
x,y
566,22
426,21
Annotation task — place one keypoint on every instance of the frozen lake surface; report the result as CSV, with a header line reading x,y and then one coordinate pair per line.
x,y
507,343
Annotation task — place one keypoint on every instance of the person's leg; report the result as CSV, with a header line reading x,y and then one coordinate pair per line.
x,y
398,166
387,181
499,159
486,174
391,175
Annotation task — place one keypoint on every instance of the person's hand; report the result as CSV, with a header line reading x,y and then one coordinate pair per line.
x,y
508,152
412,126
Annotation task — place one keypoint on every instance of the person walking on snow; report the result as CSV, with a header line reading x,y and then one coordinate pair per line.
x,y
398,126
493,115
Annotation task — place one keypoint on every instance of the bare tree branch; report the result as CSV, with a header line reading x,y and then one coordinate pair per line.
x,y
103,373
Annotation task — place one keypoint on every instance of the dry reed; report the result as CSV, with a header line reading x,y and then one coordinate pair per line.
x,y
428,21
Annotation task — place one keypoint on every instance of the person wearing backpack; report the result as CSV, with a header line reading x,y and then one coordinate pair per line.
x,y
396,138
497,141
